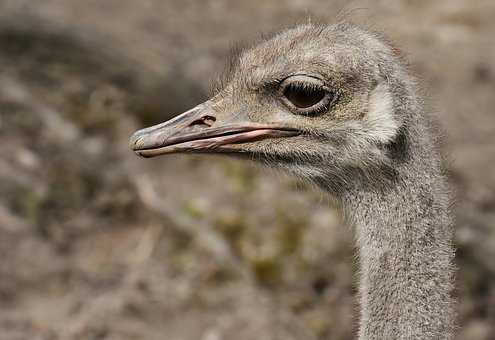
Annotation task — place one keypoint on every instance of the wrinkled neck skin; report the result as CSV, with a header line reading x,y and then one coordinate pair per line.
x,y
404,236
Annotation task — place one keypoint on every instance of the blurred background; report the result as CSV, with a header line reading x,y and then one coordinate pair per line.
x,y
96,243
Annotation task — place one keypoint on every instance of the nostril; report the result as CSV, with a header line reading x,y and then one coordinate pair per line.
x,y
205,121
209,120
136,142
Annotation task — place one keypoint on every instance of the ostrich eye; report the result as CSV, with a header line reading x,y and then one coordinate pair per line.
x,y
305,94
304,97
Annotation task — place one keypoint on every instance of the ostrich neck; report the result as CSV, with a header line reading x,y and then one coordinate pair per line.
x,y
404,236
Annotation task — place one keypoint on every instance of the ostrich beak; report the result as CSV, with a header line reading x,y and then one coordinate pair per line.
x,y
203,130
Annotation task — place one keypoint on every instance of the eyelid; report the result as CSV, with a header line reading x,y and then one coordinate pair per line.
x,y
304,80
303,75
279,81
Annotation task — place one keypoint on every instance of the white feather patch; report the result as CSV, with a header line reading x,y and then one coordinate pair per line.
x,y
380,120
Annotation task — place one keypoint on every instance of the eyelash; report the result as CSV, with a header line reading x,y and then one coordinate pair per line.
x,y
296,85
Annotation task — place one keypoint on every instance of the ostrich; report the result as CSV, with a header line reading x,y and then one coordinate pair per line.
x,y
335,106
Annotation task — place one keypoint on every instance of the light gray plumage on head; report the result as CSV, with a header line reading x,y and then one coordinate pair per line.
x,y
335,105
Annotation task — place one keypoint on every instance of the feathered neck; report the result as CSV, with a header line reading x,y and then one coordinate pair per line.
x,y
404,235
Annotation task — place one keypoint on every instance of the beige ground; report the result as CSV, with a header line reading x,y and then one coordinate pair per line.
x,y
98,244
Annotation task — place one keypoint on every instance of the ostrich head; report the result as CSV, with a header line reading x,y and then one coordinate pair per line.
x,y
319,102
335,106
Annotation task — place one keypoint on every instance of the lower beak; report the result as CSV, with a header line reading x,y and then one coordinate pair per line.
x,y
201,130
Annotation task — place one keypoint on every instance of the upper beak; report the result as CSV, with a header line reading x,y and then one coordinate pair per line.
x,y
202,129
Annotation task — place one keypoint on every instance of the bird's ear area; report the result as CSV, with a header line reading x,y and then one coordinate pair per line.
x,y
380,122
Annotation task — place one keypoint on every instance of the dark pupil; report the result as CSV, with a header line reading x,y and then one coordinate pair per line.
x,y
304,97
